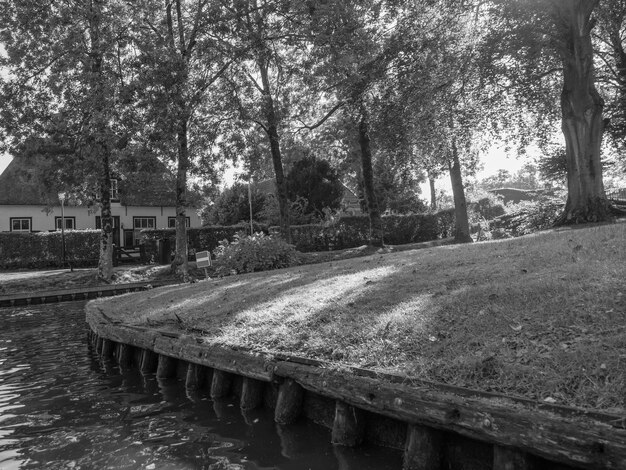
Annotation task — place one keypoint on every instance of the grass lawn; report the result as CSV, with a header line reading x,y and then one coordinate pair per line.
x,y
542,316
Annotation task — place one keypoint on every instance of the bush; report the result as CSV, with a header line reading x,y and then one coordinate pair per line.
x,y
258,252
353,231
199,239
44,249
527,217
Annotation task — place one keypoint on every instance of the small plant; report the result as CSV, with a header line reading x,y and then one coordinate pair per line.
x,y
258,252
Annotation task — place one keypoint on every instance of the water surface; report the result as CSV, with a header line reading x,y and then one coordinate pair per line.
x,y
62,406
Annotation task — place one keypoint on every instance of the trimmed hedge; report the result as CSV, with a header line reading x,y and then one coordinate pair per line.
x,y
346,232
44,249
353,231
199,239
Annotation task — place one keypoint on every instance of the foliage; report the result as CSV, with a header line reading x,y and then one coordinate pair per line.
x,y
353,231
205,238
251,253
232,206
297,212
44,249
527,217
317,182
525,178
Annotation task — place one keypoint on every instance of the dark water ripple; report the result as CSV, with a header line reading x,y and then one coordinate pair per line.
x,y
63,407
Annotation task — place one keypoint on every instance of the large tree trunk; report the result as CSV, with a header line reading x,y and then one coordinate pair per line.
x,y
277,161
582,125
376,222
181,263
98,140
462,230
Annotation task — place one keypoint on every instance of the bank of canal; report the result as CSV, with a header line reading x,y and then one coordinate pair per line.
x,y
63,406
434,425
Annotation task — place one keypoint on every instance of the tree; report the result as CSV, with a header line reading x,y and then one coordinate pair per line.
x,y
232,206
264,81
545,37
60,99
317,182
181,57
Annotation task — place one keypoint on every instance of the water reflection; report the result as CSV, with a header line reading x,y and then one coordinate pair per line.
x,y
62,406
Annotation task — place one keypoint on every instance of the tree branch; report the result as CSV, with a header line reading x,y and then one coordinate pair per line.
x,y
324,119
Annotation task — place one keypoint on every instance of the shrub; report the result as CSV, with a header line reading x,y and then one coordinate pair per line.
x,y
353,231
258,252
44,249
527,217
199,239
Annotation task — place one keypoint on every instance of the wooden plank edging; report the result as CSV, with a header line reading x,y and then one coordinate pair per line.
x,y
578,441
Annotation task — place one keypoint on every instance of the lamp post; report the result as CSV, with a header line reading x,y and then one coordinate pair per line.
x,y
62,199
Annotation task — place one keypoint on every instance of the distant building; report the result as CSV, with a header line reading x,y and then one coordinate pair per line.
x,y
149,203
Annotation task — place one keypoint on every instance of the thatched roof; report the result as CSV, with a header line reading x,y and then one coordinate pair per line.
x,y
19,185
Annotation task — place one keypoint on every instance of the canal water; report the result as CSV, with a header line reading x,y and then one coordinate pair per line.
x,y
63,407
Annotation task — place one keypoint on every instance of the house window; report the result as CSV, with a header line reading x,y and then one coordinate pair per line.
x,y
171,222
21,224
114,193
70,223
144,222
116,222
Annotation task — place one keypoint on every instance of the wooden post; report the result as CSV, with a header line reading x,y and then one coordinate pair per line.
x,y
508,458
99,341
149,361
251,394
137,355
349,425
423,449
124,354
167,367
221,384
182,367
107,348
289,402
195,376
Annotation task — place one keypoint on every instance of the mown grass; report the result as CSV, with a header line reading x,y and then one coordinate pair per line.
x,y
543,316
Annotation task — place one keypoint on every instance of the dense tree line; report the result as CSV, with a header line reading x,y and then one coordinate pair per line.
x,y
389,91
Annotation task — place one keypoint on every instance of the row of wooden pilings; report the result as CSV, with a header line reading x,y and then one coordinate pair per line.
x,y
423,446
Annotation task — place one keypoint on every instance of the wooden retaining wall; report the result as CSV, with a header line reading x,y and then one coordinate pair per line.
x,y
434,426
79,293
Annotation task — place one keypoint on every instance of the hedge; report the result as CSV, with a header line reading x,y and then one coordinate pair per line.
x,y
353,231
199,239
347,232
44,249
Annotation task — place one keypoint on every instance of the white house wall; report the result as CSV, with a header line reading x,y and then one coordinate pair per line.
x,y
86,218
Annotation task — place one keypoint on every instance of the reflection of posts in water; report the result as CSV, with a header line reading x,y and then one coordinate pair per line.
x,y
224,408
195,377
107,348
221,384
251,393
346,458
289,444
167,367
348,426
169,389
424,448
124,355
149,362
